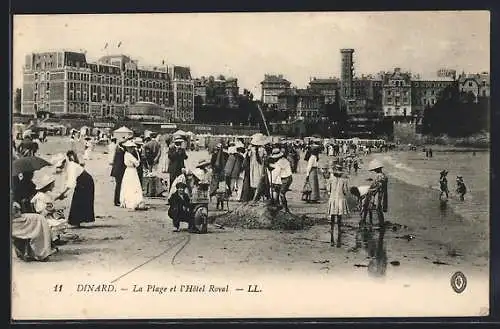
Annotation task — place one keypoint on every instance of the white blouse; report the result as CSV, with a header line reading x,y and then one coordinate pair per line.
x,y
312,163
40,201
130,161
73,171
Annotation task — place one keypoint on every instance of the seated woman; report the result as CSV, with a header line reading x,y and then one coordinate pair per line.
x,y
181,209
24,189
43,203
31,235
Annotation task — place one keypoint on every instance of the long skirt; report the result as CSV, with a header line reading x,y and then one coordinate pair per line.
x,y
314,181
82,203
131,191
31,237
246,191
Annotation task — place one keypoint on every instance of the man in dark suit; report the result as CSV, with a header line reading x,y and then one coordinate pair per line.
x,y
176,155
117,170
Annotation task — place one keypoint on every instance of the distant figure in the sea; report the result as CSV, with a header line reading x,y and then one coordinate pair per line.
x,y
443,184
430,153
461,188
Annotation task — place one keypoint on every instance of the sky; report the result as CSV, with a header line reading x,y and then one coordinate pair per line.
x,y
248,45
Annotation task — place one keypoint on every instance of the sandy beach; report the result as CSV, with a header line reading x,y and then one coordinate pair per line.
x,y
441,241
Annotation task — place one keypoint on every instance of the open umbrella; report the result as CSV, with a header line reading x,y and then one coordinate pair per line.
x,y
26,164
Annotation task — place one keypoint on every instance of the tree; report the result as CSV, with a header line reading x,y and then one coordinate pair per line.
x,y
17,100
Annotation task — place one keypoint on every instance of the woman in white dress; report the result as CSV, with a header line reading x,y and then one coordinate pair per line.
x,y
131,190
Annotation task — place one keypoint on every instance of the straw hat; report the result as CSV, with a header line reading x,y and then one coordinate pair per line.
x,y
178,139
231,150
338,169
58,159
138,141
129,143
276,153
375,164
27,133
202,163
44,181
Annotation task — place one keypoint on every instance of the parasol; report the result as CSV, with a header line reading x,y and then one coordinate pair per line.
x,y
28,164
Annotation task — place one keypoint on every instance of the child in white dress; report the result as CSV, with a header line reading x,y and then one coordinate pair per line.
x,y
337,204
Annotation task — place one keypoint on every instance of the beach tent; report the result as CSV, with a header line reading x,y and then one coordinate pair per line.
x,y
122,132
179,133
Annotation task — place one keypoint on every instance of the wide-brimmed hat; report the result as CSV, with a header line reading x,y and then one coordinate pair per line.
x,y
375,164
459,177
27,133
203,163
129,143
178,139
138,141
443,172
338,169
44,181
259,140
231,150
276,153
58,159
88,138
239,146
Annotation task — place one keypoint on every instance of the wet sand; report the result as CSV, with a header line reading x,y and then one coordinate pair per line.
x,y
121,240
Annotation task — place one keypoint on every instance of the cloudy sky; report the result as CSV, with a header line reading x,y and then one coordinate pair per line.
x,y
247,45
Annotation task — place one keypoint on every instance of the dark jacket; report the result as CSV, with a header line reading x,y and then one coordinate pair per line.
x,y
27,147
176,161
228,168
180,208
24,191
238,165
118,167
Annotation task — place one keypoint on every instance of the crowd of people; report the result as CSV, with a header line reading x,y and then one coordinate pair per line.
x,y
241,170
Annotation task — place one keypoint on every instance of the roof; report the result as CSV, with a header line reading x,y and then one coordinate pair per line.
x,y
324,81
274,78
181,72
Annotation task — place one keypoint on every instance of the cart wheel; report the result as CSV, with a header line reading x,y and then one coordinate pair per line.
x,y
201,219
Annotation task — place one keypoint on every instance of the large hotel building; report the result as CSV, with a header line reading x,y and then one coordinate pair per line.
x,y
63,82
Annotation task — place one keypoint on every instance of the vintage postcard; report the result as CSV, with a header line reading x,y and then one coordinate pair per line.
x,y
250,165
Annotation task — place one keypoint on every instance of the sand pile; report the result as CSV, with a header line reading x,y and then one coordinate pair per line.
x,y
261,215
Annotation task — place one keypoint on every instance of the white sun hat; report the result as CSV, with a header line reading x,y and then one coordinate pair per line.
x,y
375,164
44,181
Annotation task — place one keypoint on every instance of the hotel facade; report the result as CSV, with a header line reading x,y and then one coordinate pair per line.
x,y
64,82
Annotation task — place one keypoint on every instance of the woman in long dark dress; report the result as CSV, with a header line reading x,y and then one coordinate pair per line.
x,y
246,191
82,203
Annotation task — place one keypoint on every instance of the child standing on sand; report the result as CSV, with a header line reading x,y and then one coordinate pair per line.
x,y
461,188
443,184
337,204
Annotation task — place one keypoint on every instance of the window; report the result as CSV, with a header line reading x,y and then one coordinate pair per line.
x,y
48,75
470,83
36,76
